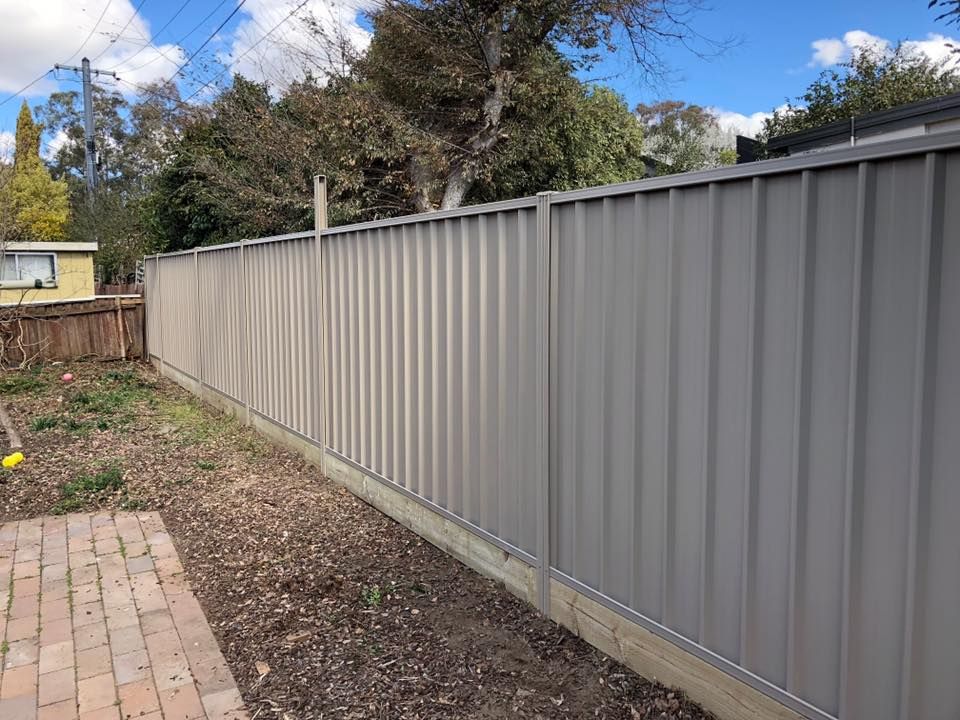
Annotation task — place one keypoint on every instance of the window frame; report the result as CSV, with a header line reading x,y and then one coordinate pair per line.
x,y
16,263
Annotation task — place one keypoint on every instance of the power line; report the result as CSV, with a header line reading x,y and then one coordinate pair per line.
x,y
92,31
155,36
204,43
136,10
25,88
179,42
244,54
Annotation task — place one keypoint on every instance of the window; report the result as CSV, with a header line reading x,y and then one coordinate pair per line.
x,y
30,266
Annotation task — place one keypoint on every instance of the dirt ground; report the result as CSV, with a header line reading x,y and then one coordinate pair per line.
x,y
323,607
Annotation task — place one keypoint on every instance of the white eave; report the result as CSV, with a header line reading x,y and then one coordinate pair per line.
x,y
51,247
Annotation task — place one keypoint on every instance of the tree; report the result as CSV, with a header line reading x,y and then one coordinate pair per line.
x,y
871,80
683,137
447,75
133,143
36,203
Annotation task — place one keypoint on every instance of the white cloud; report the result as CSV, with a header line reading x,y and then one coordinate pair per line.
x,y
7,143
830,51
312,40
741,124
54,144
35,33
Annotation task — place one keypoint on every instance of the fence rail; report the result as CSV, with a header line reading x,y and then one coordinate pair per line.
x,y
723,405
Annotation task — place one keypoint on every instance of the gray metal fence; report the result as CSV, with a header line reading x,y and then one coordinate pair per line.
x,y
750,435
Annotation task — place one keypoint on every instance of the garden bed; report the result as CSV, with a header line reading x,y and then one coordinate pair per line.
x,y
323,607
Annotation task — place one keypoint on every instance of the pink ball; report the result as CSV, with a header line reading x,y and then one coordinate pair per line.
x,y
67,377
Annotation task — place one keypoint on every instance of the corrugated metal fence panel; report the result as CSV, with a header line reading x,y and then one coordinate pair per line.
x,y
222,290
178,324
284,323
432,363
152,310
754,413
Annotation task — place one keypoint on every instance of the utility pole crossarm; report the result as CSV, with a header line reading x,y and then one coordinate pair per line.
x,y
90,148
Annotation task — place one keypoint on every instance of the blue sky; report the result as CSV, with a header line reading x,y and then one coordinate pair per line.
x,y
779,47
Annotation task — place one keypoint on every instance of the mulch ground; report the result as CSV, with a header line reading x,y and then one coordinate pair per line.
x,y
323,607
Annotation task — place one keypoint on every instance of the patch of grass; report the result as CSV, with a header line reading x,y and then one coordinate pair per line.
x,y
371,596
206,465
117,392
194,426
44,422
76,427
21,381
4,647
79,492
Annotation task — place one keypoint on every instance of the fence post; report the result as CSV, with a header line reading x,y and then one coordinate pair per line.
x,y
160,314
247,370
544,289
320,224
196,276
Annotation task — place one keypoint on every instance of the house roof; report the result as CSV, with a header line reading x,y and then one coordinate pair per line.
x,y
909,115
51,247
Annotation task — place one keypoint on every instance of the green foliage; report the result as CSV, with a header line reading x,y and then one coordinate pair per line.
x,y
371,596
44,422
14,382
132,147
33,205
868,82
683,137
206,465
87,489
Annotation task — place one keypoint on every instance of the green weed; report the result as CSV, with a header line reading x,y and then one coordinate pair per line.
x,y
77,493
372,596
21,381
44,422
206,465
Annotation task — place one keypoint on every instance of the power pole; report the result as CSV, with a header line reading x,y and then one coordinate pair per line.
x,y
89,144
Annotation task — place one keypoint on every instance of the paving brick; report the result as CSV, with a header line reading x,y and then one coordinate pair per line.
x,y
86,575
63,710
121,617
218,704
56,686
54,609
86,593
19,681
55,590
56,631
147,592
19,708
107,713
26,586
125,640
23,628
52,573
139,564
181,703
21,652
90,636
131,667
93,661
156,621
81,558
87,614
25,570
138,699
96,692
24,607
58,656
133,645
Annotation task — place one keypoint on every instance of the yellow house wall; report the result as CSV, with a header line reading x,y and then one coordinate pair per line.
x,y
74,281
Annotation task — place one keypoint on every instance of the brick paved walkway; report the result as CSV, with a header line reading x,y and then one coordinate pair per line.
x,y
98,623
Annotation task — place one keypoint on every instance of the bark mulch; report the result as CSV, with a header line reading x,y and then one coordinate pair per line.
x,y
323,607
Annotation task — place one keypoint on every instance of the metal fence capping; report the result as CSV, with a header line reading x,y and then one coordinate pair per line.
x,y
710,422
